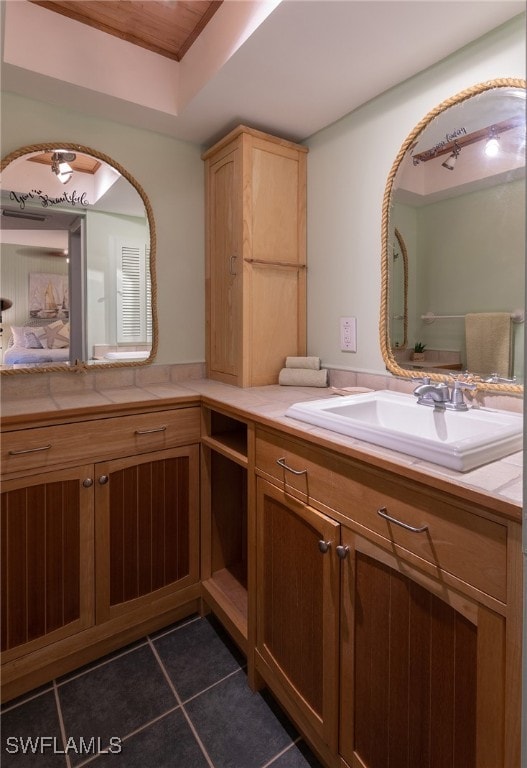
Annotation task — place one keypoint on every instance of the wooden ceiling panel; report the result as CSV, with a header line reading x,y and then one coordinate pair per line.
x,y
167,27
83,163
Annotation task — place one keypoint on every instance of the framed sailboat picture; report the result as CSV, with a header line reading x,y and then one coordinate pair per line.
x,y
48,295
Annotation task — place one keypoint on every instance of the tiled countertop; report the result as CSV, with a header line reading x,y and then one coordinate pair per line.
x,y
501,480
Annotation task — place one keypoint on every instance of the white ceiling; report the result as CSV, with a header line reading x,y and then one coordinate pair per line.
x,y
308,63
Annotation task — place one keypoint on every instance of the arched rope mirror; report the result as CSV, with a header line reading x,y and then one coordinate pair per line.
x,y
457,190
78,266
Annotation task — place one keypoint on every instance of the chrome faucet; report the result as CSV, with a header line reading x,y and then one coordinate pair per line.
x,y
440,396
432,394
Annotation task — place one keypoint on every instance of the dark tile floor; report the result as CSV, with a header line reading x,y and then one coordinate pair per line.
x,y
176,699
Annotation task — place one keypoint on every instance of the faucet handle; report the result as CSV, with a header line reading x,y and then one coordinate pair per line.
x,y
421,379
495,378
459,385
457,401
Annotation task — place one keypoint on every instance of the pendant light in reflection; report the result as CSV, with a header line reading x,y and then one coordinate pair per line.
x,y
451,160
492,146
60,165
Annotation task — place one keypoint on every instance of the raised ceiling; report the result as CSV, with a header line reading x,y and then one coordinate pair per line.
x,y
168,27
290,67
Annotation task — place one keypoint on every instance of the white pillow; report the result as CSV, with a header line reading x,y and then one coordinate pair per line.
x,y
32,340
20,339
18,332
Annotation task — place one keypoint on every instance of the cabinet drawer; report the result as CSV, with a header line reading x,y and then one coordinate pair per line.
x,y
98,439
449,538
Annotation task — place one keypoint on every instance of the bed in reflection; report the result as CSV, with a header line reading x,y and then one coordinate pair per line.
x,y
38,344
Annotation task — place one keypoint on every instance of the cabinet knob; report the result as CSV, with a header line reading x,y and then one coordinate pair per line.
x,y
88,482
342,551
324,546
103,479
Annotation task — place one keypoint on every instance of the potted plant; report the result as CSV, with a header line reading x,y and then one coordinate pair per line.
x,y
419,351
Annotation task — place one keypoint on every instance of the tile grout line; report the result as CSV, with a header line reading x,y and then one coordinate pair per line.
x,y
169,630
179,705
147,641
212,685
54,686
132,733
61,722
168,711
101,663
271,762
8,707
178,699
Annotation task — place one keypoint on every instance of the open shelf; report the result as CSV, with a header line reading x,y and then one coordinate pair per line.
x,y
226,435
226,593
231,445
225,520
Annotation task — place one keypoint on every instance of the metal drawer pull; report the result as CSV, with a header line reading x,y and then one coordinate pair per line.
x,y
30,450
342,551
103,479
281,463
382,512
324,546
149,431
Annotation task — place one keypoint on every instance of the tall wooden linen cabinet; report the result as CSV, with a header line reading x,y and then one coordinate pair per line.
x,y
255,256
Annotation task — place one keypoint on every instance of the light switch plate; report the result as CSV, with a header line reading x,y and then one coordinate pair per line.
x,y
348,334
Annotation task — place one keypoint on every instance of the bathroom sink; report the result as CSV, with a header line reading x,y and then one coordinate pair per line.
x,y
128,355
460,440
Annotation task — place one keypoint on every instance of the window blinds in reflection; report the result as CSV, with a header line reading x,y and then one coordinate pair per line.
x,y
134,300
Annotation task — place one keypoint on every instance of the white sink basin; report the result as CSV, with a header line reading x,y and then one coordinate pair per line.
x,y
460,440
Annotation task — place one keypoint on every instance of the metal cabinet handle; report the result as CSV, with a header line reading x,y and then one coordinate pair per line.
x,y
149,431
30,450
88,482
383,513
324,546
342,551
281,463
103,479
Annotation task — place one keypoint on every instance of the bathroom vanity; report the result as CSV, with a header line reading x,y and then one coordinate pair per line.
x,y
100,535
410,588
377,596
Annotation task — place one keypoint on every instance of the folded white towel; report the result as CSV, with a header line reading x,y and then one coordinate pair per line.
x,y
313,363
303,377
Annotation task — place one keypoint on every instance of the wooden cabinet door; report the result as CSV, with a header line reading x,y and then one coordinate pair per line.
x,y
224,266
298,607
255,273
422,668
276,280
47,559
147,530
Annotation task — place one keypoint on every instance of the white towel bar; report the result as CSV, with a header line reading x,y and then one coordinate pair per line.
x,y
518,316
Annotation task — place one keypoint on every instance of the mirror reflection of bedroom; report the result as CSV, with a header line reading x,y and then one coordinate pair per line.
x,y
75,280
35,290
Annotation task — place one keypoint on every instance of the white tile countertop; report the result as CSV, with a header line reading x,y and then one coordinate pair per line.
x,y
500,480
